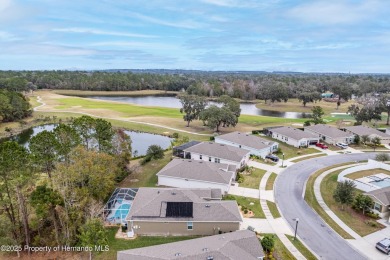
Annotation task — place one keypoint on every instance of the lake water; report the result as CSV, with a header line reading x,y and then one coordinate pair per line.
x,y
139,141
173,102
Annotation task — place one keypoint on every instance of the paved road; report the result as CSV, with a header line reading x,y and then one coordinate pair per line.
x,y
311,228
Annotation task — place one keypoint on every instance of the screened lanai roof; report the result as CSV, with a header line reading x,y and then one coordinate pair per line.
x,y
120,195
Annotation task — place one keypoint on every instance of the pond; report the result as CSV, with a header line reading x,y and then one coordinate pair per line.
x,y
173,102
139,141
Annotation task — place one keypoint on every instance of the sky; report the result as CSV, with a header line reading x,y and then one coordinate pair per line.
x,y
253,35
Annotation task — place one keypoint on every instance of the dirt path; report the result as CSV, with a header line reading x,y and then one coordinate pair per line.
x,y
43,104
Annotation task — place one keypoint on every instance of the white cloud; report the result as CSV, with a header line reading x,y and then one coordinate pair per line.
x,y
239,3
8,37
187,24
101,32
335,12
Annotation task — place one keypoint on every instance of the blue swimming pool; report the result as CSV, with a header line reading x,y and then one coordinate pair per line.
x,y
120,213
383,183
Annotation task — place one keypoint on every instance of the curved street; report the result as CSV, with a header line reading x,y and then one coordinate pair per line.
x,y
289,188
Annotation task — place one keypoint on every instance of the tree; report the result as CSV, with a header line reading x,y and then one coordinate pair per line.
x,y
376,141
356,139
344,193
103,134
307,96
84,127
343,91
317,113
363,202
155,152
382,157
365,139
214,116
366,113
268,243
92,234
67,139
43,150
45,200
192,106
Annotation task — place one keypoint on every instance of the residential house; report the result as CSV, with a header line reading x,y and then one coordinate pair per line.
x,y
182,212
218,153
361,130
381,199
183,173
241,244
293,136
329,134
256,145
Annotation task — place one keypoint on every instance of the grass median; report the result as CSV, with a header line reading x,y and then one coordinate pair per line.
x,y
274,209
301,248
270,182
308,157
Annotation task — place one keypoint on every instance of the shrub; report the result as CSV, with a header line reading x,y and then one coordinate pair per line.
x,y
175,135
279,150
253,156
268,243
212,138
372,223
373,215
155,152
306,123
229,197
145,160
382,157
245,211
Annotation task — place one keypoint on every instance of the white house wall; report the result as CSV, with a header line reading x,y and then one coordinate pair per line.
x,y
261,153
183,183
330,140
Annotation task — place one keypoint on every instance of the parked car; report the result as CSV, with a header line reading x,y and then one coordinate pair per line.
x,y
342,145
322,146
272,157
384,245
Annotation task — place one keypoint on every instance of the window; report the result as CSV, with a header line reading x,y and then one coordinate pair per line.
x,y
239,146
209,159
217,160
286,139
378,207
190,226
200,157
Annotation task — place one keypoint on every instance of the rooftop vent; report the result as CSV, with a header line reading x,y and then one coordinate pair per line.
x,y
207,206
210,257
178,254
205,249
173,193
158,192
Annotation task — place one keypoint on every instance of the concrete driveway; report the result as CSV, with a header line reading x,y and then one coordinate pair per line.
x,y
312,229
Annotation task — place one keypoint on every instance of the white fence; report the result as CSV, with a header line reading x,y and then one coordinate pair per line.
x,y
371,164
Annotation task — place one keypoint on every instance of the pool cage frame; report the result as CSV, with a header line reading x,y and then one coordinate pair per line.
x,y
121,196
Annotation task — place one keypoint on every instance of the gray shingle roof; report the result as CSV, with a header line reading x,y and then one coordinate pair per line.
x,y
365,130
247,140
150,202
383,195
293,133
197,170
241,244
328,131
221,151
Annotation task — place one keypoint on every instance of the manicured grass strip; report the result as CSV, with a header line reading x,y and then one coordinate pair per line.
x,y
361,174
280,251
270,182
274,210
308,157
116,245
301,248
245,202
313,203
359,223
253,180
145,174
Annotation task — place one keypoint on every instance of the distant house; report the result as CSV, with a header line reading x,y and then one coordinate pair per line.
x,y
327,95
293,136
256,145
361,130
329,134
182,173
218,153
241,244
182,212
381,199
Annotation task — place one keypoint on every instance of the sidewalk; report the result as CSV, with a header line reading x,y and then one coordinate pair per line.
x,y
244,192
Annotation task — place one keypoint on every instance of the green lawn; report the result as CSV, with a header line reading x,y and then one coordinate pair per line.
x,y
146,174
301,248
291,151
245,202
280,251
308,157
313,203
270,182
116,245
253,179
355,220
361,174
274,210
